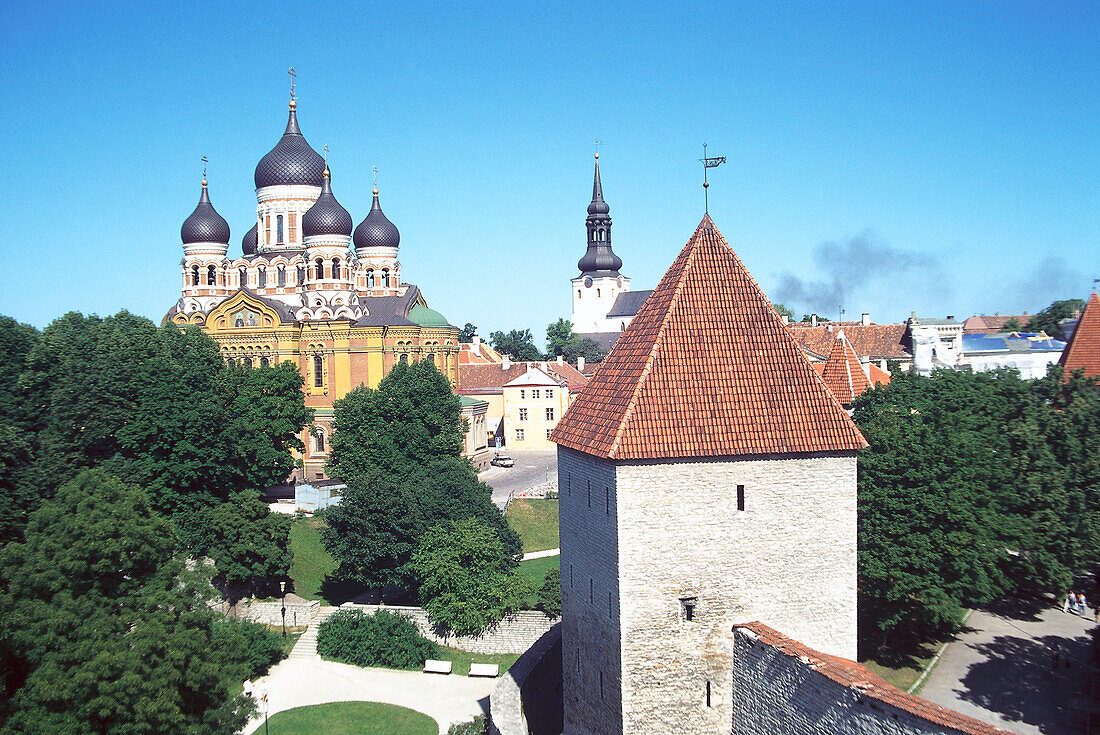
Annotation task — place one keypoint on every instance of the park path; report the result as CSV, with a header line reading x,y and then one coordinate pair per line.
x,y
541,554
999,669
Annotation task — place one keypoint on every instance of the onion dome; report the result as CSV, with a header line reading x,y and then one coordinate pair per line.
x,y
326,216
376,231
205,224
248,244
291,161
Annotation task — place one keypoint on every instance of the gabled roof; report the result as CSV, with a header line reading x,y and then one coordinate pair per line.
x,y
490,379
875,341
842,372
627,303
990,323
533,376
1083,350
706,368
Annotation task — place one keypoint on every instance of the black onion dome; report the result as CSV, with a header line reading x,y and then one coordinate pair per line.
x,y
205,224
326,216
291,161
376,231
248,244
600,261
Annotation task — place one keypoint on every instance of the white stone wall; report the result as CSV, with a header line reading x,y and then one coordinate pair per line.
x,y
656,533
592,302
514,634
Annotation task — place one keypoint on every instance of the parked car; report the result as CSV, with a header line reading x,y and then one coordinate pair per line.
x,y
502,460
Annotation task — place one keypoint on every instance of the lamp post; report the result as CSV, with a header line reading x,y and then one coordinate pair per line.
x,y
282,591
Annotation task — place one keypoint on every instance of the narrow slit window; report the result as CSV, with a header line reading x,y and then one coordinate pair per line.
x,y
708,693
689,608
589,494
607,501
318,371
279,229
740,497
591,590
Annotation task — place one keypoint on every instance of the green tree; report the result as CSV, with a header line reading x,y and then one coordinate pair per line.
x,y
16,342
549,595
467,579
807,318
517,344
585,347
467,333
784,311
1048,320
559,337
105,632
1012,325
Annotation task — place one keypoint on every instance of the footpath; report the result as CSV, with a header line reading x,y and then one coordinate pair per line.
x,y
1000,669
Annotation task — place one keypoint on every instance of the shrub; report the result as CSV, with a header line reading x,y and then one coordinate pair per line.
x,y
262,647
549,596
477,726
384,639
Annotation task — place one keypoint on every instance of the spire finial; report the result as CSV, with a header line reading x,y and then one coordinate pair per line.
x,y
598,144
708,163
204,161
292,75
375,170
326,159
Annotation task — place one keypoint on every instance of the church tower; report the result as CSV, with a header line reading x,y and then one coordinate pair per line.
x,y
205,236
600,283
706,478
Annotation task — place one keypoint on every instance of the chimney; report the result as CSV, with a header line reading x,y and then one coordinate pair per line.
x,y
865,319
882,365
506,363
580,364
786,319
813,320
476,340
561,360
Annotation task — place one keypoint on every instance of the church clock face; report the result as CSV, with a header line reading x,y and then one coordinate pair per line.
x,y
588,283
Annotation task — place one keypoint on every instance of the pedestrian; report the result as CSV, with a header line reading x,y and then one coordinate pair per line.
x,y
1068,602
1082,604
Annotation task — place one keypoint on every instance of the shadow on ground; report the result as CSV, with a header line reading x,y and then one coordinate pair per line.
x,y
1018,676
1023,609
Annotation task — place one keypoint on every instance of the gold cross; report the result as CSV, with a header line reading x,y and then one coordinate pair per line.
x,y
375,169
292,75
204,167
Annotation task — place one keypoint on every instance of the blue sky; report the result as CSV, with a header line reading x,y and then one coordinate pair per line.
x,y
941,158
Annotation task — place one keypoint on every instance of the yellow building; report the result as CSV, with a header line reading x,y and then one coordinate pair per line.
x,y
533,404
307,289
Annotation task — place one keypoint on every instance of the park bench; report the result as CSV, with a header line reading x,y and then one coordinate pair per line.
x,y
437,667
490,670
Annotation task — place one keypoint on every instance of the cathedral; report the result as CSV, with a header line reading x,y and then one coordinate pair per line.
x,y
307,288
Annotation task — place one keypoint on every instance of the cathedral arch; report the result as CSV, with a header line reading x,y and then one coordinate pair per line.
x,y
194,275
211,275
370,277
336,268
243,275
280,278
320,264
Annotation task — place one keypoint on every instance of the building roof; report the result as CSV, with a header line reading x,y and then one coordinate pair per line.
x,y
877,375
376,231
606,340
1083,350
998,342
842,372
291,161
706,368
327,216
874,341
204,224
533,376
468,402
628,302
490,379
478,353
426,317
853,676
990,323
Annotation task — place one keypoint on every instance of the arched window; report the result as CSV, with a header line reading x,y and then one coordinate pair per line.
x,y
320,269
385,278
279,229
247,362
370,277
281,276
405,357
301,274
431,357
318,372
261,278
319,442
211,276
264,362
244,276
578,293
336,268
194,275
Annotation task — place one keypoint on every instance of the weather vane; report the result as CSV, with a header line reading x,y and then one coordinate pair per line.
x,y
292,75
598,144
204,169
708,163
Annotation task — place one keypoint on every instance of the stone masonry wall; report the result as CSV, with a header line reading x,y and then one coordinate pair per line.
x,y
527,700
788,560
270,613
515,634
589,594
777,694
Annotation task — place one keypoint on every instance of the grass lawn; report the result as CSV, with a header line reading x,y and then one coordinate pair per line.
x,y
461,660
311,562
902,674
350,718
534,571
536,522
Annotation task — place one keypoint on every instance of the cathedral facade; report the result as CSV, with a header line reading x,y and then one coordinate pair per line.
x,y
307,288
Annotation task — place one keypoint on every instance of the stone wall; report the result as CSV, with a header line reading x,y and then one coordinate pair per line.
x,y
515,634
527,701
270,613
781,687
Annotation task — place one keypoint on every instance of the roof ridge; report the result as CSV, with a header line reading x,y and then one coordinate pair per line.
x,y
650,359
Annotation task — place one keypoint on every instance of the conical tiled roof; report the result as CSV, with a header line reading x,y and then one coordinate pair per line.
x,y
1083,350
204,224
705,369
842,372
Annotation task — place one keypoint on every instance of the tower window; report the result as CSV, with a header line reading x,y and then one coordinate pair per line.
x,y
211,276
279,229
549,414
261,278
194,275
267,228
244,276
708,693
689,607
320,269
281,276
740,497
385,278
301,274
318,372
336,268
319,442
370,278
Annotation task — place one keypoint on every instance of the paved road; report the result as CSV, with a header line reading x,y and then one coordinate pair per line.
x,y
446,699
1000,669
532,468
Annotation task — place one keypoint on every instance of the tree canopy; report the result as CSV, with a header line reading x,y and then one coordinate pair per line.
x,y
1049,319
467,333
562,340
517,344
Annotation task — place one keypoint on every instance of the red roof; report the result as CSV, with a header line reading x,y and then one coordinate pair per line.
x,y
843,373
876,341
490,379
852,675
706,368
1083,350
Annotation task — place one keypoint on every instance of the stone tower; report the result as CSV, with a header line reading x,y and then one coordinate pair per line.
x,y
600,283
707,477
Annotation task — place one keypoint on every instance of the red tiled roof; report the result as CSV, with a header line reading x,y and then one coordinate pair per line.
x,y
990,324
470,353
706,368
850,674
1083,350
876,341
482,379
877,375
843,373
